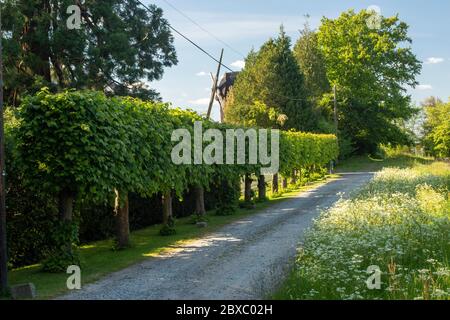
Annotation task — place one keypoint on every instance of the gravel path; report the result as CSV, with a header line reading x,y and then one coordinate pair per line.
x,y
243,260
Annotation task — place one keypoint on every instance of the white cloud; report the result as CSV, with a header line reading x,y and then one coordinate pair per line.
x,y
232,27
201,101
240,64
434,60
424,87
201,74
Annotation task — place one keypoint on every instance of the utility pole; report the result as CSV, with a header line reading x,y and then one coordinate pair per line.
x,y
336,124
214,89
3,254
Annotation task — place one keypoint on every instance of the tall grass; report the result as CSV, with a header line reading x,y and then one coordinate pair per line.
x,y
399,222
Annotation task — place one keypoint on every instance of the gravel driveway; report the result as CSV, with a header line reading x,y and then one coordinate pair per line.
x,y
243,260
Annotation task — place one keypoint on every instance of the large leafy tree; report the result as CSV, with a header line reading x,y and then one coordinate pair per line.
x,y
371,68
273,77
119,46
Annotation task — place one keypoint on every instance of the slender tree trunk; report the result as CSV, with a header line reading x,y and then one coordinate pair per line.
x,y
200,201
65,205
262,187
3,246
285,183
248,188
65,208
275,183
122,220
294,177
167,207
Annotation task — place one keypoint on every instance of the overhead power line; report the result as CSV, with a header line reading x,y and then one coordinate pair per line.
x,y
205,30
189,40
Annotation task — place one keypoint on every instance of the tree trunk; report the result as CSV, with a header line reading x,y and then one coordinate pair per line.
x,y
65,205
248,188
285,183
200,201
275,183
294,177
122,220
65,209
167,207
262,187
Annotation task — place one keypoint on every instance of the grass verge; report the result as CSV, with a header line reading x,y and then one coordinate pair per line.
x,y
400,223
370,164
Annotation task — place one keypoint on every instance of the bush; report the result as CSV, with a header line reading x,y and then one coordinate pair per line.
x,y
64,239
169,228
228,200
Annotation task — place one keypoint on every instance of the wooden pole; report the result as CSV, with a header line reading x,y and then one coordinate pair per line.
x,y
3,254
336,125
214,89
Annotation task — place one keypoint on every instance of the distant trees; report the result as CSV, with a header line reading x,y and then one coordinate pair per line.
x,y
118,47
436,134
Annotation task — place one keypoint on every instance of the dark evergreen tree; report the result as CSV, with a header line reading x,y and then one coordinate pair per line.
x,y
118,47
272,76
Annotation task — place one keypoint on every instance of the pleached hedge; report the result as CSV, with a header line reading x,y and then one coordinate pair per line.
x,y
86,150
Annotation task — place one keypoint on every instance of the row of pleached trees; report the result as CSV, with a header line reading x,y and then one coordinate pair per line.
x,y
83,145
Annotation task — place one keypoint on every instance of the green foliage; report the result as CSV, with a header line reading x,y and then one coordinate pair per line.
x,y
30,213
91,145
256,114
228,201
118,45
169,228
437,128
77,141
371,93
64,238
346,147
311,61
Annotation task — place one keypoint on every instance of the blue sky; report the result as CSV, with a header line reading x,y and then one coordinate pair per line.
x,y
247,24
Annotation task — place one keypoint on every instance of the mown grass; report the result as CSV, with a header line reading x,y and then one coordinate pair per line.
x,y
399,222
371,164
98,259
